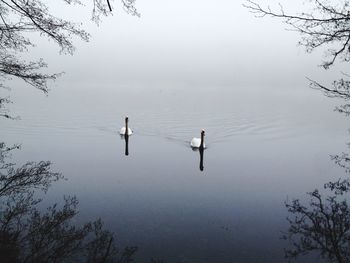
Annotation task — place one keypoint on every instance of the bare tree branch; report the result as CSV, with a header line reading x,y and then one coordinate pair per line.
x,y
323,226
328,25
20,17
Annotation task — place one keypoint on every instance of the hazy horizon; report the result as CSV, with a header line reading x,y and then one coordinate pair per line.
x,y
199,42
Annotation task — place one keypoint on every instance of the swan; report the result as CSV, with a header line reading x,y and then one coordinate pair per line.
x,y
125,128
198,142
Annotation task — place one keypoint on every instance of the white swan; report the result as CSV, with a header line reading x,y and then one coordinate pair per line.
x,y
125,128
198,142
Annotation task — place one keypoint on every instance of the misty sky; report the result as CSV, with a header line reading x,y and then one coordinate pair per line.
x,y
195,42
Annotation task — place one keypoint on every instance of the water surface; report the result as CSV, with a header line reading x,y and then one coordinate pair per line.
x,y
265,145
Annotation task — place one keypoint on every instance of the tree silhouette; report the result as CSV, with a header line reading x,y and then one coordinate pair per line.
x,y
20,18
326,25
29,235
323,226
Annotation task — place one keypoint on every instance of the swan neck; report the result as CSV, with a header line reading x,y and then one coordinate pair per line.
x,y
202,140
126,126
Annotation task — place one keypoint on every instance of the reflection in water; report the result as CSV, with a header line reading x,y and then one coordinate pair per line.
x,y
29,235
201,153
125,132
126,138
201,157
197,144
324,225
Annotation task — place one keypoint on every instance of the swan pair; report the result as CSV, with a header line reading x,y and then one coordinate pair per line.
x,y
195,142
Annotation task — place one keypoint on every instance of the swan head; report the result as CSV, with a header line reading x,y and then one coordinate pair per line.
x,y
203,132
126,119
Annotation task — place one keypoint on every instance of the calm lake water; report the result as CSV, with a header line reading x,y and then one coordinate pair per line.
x,y
265,145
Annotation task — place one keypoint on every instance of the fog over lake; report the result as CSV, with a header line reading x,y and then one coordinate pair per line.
x,y
180,68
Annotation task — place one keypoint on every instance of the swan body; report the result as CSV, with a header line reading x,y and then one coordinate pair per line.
x,y
125,130
198,142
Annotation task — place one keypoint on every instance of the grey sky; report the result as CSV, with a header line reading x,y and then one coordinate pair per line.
x,y
196,42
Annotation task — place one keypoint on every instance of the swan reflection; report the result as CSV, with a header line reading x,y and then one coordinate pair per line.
x,y
201,157
125,132
126,138
201,154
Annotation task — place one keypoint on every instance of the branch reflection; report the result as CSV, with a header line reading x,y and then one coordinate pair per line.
x,y
29,235
323,225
